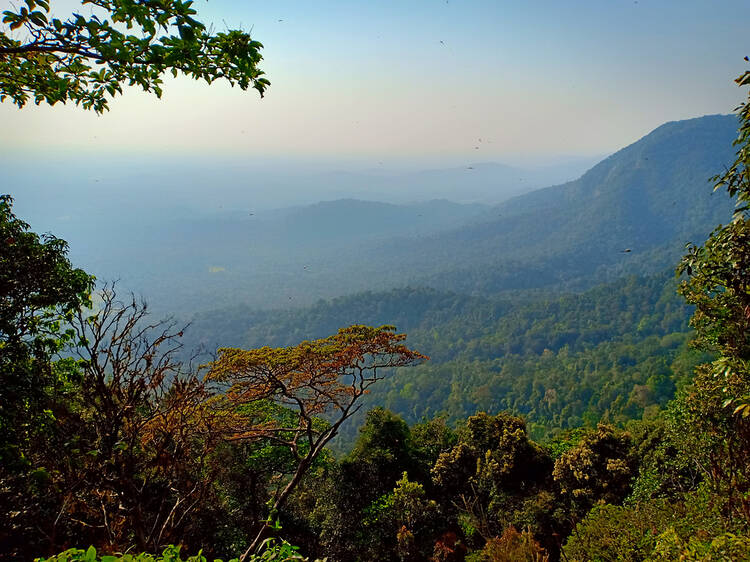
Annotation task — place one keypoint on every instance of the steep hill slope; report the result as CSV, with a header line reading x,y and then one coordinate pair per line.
x,y
632,212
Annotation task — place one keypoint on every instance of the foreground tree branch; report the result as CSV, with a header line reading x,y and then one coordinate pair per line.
x,y
87,60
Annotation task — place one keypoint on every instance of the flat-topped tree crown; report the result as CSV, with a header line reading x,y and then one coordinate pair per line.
x,y
320,377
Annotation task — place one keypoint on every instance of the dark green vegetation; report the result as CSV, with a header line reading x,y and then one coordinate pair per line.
x,y
120,445
39,289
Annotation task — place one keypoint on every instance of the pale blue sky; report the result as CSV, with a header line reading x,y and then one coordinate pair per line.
x,y
425,80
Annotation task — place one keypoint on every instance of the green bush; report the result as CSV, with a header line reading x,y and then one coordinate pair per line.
x,y
724,548
658,529
611,532
170,554
272,551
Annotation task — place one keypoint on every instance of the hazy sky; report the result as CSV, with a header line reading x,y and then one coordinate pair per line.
x,y
425,80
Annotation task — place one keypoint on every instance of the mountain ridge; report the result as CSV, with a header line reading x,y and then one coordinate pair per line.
x,y
652,194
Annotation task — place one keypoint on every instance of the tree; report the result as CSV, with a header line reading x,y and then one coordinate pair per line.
x,y
361,485
382,453
325,377
39,293
718,272
412,519
39,290
495,476
718,285
512,546
86,60
125,459
598,469
147,428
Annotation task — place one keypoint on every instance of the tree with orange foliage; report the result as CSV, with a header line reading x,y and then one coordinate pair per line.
x,y
144,451
319,378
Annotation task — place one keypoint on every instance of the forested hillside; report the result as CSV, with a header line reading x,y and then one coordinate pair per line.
x,y
632,212
611,353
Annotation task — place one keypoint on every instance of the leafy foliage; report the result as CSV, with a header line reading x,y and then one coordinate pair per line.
x,y
272,550
640,531
726,546
736,179
666,449
87,60
718,284
512,546
495,477
319,377
597,470
40,292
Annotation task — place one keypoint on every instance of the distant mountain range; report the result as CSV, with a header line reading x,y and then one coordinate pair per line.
x,y
287,257
481,182
631,213
490,300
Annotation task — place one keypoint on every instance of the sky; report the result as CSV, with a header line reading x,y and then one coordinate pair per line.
x,y
422,81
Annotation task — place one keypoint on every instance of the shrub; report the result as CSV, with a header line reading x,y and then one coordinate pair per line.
x,y
272,550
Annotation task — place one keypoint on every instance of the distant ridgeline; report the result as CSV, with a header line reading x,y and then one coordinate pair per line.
x,y
630,214
501,333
